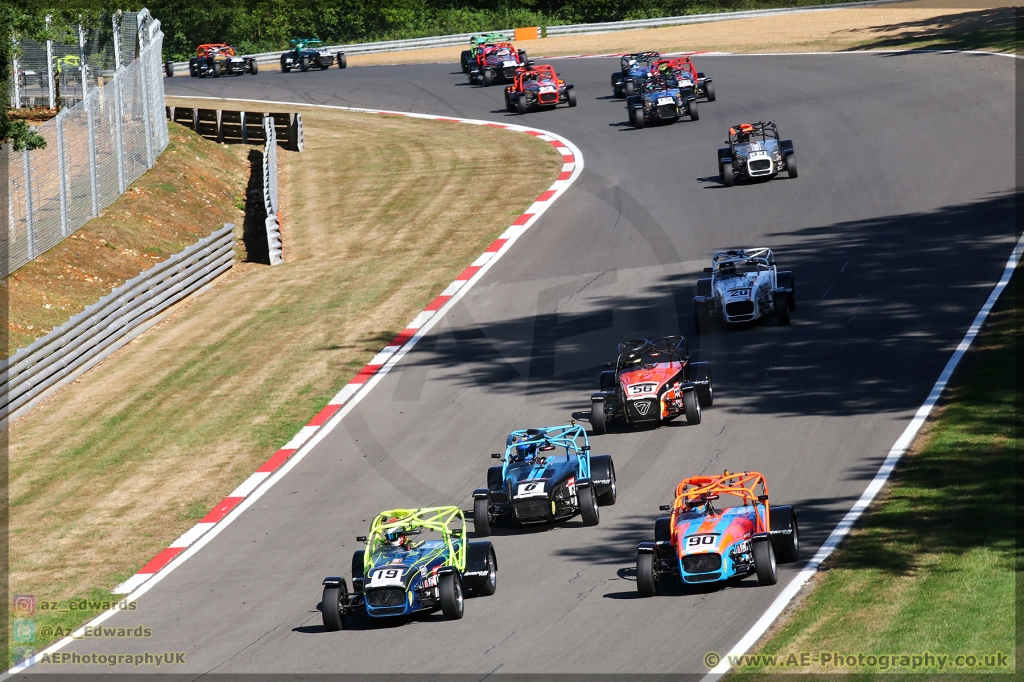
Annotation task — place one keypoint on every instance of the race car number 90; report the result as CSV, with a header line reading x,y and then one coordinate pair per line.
x,y
695,541
386,576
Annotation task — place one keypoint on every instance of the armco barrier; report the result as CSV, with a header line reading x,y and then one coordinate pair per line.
x,y
245,127
270,192
105,326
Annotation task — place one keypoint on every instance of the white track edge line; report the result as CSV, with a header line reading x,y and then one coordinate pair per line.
x,y
337,417
895,453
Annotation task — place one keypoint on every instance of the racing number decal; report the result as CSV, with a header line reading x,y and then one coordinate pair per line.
x,y
532,489
386,576
695,541
641,389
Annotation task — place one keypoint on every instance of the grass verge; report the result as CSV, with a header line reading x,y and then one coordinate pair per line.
x,y
380,214
195,187
931,569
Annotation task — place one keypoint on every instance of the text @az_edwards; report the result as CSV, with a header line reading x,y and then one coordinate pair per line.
x,y
114,660
839,660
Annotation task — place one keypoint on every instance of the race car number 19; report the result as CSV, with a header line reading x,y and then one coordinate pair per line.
x,y
386,576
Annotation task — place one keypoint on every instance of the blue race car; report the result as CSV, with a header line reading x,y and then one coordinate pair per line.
x,y
545,475
634,67
660,99
397,575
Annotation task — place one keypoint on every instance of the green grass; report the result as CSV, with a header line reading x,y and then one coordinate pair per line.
x,y
931,567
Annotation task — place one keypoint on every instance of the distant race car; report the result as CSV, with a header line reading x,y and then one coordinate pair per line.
x,y
497,63
660,100
686,73
755,151
537,86
307,53
654,381
216,59
632,67
745,285
545,475
699,544
397,574
477,43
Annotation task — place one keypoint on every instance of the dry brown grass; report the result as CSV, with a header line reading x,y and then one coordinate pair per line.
x,y
842,29
112,468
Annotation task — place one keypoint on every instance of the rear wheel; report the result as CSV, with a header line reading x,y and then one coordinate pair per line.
x,y
764,563
630,88
481,517
169,68
645,584
588,506
727,177
791,165
706,394
709,89
521,107
487,588
465,59
285,68
571,96
789,545
509,104
597,419
607,498
692,408
215,68
303,63
342,60
452,601
254,68
701,321
522,57
781,301
694,111
332,607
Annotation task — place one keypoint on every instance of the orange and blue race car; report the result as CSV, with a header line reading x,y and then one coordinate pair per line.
x,y
537,86
701,543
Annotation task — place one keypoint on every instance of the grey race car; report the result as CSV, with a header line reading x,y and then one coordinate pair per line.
x,y
744,286
755,151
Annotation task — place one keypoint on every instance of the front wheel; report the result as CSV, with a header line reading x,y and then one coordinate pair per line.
x,y
215,68
169,69
488,77
638,118
481,517
285,67
694,111
333,607
791,165
630,88
764,563
597,422
521,107
588,506
709,89
692,408
571,96
727,176
342,60
645,584
452,602
303,63
254,67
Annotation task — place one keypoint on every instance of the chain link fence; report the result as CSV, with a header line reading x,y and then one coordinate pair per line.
x,y
94,150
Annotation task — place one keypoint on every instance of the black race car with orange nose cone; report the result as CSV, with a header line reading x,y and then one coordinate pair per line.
x,y
653,381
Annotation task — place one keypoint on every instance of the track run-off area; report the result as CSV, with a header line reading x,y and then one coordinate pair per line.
x,y
897,229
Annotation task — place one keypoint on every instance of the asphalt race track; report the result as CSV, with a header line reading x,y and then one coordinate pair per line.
x,y
898,226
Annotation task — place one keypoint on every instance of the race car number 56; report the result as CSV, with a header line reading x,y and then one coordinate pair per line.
x,y
386,576
639,389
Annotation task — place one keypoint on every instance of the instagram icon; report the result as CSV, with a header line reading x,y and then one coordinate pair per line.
x,y
24,604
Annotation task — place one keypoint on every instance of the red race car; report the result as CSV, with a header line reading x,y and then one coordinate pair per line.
x,y
497,63
699,543
537,86
654,381
216,59
686,74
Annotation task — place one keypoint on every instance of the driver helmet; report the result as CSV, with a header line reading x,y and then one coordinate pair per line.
x,y
664,70
526,451
395,537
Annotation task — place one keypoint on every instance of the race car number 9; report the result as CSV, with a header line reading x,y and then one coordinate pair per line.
x,y
386,576
699,541
640,389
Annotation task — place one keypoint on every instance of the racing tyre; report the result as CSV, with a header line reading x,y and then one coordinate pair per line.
x,y
727,177
490,584
466,56
788,545
285,68
709,89
169,69
332,608
645,584
215,68
481,517
469,76
791,165
692,408
701,321
201,72
571,96
521,107
597,419
452,601
705,394
602,467
342,60
630,88
588,506
764,563
638,119
303,63
488,77
694,111
509,104
781,301
522,57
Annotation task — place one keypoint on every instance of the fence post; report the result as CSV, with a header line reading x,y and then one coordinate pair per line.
x,y
115,21
16,99
29,221
62,177
118,130
245,132
87,101
144,83
49,65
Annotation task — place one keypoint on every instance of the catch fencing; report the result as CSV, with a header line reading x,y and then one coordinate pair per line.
x,y
94,151
92,335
